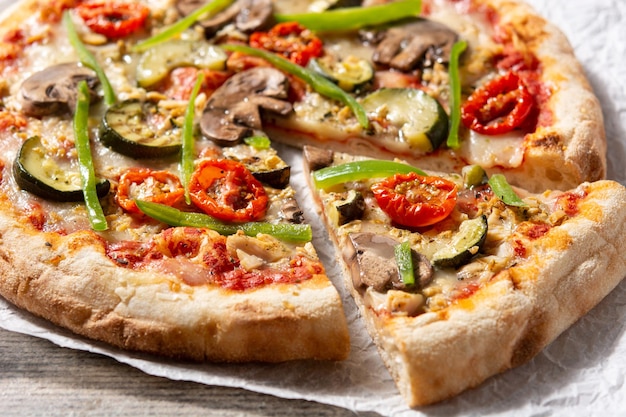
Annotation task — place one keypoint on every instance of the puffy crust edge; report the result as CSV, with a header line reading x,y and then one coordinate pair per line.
x,y
572,149
69,281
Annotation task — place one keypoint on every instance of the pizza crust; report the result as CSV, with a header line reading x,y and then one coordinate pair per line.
x,y
437,355
69,281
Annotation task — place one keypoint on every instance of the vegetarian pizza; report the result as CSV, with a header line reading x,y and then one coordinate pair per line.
x,y
140,173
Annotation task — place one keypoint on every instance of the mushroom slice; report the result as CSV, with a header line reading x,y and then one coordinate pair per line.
x,y
373,264
247,15
54,89
234,110
418,43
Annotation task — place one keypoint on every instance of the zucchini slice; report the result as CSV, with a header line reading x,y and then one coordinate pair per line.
x,y
126,129
39,173
464,244
158,61
420,118
350,74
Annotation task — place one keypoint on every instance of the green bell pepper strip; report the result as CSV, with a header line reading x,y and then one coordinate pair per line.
x,y
181,25
455,94
258,142
353,18
87,59
297,233
320,84
500,186
87,173
404,260
358,170
187,153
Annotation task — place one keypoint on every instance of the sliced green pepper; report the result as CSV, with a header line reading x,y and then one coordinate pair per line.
x,y
404,260
87,172
87,59
504,191
359,170
353,18
187,153
455,94
258,142
298,233
181,25
319,83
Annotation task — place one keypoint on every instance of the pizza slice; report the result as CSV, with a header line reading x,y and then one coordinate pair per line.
x,y
459,276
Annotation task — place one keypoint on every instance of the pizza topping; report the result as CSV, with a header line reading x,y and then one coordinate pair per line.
x,y
234,109
264,164
55,89
226,190
345,210
161,187
413,200
37,171
289,232
247,15
351,73
138,129
464,244
455,93
328,177
291,40
499,106
374,265
157,62
420,120
504,191
113,19
419,44
318,83
88,59
353,18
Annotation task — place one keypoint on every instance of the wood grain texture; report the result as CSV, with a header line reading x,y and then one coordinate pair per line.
x,y
38,378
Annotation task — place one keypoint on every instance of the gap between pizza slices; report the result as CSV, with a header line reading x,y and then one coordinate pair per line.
x,y
415,109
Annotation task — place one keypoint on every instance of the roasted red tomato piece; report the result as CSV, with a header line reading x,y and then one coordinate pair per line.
x,y
145,184
499,106
413,200
290,39
113,19
226,190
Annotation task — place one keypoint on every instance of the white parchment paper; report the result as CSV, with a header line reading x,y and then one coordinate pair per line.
x,y
581,373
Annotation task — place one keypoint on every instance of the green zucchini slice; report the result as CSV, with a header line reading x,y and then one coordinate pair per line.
x,y
464,244
127,128
39,173
420,118
158,61
350,74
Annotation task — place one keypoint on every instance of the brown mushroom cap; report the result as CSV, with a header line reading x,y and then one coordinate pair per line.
x,y
247,15
54,89
415,43
234,109
374,264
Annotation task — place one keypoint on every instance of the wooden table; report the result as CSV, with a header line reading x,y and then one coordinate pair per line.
x,y
40,378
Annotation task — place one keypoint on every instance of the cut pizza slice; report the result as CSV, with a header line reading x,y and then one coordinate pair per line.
x,y
460,276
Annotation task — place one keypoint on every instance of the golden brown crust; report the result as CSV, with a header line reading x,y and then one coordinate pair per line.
x,y
69,281
437,355
572,147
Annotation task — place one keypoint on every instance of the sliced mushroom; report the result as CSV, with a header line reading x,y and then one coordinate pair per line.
x,y
317,158
54,89
374,265
414,44
247,15
234,109
291,211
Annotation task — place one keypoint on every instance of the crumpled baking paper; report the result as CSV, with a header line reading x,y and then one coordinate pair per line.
x,y
581,373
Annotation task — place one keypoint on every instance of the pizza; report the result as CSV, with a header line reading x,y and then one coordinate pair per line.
x,y
140,172
458,276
